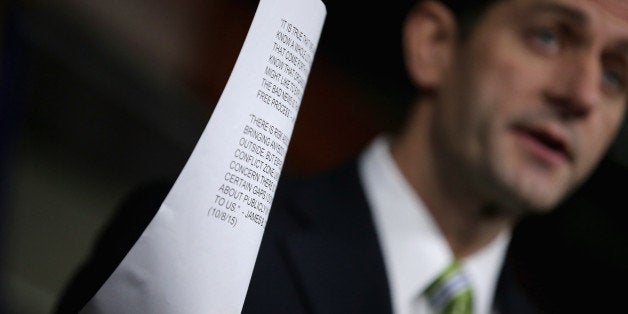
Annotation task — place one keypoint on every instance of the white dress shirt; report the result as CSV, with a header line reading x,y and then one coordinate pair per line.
x,y
415,251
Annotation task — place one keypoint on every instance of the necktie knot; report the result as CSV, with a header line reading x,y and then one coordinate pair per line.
x,y
450,293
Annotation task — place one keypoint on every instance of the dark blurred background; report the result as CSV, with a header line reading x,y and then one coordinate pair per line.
x,y
100,96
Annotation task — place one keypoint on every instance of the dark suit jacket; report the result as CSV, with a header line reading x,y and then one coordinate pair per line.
x,y
319,253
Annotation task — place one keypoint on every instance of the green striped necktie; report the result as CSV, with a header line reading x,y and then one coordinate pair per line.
x,y
450,293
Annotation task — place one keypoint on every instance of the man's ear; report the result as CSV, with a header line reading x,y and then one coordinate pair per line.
x,y
429,43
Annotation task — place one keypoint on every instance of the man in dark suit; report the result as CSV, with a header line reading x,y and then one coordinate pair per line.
x,y
518,102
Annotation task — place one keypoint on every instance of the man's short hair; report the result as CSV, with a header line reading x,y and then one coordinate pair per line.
x,y
467,12
365,40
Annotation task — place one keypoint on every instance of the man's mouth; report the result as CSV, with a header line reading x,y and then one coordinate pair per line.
x,y
549,143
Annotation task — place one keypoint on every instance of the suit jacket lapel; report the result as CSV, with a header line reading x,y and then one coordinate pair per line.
x,y
510,297
337,257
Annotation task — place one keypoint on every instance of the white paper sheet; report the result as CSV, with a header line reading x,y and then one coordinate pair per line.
x,y
197,254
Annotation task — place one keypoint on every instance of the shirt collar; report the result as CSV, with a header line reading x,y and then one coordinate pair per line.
x,y
415,252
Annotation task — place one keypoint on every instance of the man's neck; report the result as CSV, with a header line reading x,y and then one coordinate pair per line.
x,y
467,221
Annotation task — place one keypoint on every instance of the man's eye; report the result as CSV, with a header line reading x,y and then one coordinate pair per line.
x,y
546,38
613,79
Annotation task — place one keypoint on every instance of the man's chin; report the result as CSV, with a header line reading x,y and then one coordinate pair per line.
x,y
521,200
537,190
541,202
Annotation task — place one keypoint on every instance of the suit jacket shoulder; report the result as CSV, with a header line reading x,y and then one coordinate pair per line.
x,y
320,252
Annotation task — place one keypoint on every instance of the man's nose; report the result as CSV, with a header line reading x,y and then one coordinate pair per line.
x,y
576,87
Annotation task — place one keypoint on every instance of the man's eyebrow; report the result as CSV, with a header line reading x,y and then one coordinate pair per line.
x,y
573,14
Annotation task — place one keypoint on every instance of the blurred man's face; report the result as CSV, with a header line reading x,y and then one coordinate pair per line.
x,y
534,98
